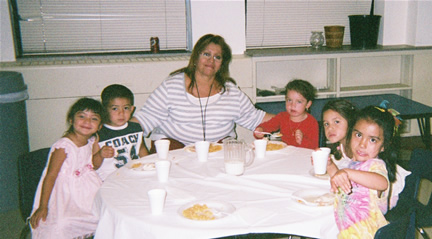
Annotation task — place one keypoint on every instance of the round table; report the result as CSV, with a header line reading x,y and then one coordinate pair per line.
x,y
261,197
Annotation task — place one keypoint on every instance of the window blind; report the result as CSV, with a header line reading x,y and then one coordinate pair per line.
x,y
282,23
88,26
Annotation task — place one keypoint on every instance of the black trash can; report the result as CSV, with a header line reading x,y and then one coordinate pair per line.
x,y
364,30
13,135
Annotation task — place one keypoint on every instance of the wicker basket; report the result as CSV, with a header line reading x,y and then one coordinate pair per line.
x,y
334,36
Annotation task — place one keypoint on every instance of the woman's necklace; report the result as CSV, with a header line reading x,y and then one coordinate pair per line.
x,y
203,114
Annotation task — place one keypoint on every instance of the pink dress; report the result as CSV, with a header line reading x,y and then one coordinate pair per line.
x,y
361,213
71,200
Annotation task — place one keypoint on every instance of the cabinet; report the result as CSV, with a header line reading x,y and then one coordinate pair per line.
x,y
335,72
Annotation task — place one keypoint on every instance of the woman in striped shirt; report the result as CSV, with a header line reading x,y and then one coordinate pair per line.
x,y
200,101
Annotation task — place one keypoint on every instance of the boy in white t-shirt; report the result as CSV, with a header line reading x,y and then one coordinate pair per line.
x,y
119,140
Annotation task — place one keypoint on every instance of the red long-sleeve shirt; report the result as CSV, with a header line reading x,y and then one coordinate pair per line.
x,y
287,127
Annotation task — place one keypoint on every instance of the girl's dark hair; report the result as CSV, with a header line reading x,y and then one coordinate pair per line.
x,y
84,104
386,122
223,75
347,110
306,89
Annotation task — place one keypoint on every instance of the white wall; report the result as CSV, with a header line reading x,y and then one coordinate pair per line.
x,y
6,44
423,23
222,17
53,88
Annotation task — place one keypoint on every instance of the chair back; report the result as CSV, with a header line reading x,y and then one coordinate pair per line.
x,y
421,167
401,228
30,168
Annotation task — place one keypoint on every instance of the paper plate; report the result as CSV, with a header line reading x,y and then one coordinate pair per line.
x,y
314,197
320,176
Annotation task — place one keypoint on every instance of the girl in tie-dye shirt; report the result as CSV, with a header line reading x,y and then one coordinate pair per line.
x,y
362,189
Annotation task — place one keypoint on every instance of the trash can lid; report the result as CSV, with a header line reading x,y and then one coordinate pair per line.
x,y
11,82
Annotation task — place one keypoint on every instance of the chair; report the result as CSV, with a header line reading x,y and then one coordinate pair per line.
x,y
401,228
421,166
421,169
30,168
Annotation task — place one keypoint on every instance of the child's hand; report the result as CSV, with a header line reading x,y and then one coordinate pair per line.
x,y
298,136
40,213
257,133
107,152
341,179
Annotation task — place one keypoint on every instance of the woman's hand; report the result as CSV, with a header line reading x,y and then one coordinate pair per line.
x,y
298,136
341,180
40,213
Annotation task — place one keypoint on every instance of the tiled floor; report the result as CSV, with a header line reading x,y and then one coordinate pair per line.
x,y
11,222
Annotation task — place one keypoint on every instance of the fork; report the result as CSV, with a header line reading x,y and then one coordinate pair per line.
x,y
265,133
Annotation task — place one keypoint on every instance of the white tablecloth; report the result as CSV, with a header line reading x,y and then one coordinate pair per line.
x,y
262,198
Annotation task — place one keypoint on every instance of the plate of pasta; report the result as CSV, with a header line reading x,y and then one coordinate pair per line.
x,y
206,210
275,146
139,166
214,147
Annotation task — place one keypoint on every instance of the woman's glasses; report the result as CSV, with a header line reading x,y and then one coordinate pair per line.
x,y
208,56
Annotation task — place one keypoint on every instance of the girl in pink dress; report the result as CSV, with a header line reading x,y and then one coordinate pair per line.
x,y
64,197
362,189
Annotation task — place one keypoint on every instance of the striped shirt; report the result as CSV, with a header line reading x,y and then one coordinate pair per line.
x,y
178,115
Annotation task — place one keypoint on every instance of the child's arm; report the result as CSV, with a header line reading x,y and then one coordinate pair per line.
x,y
270,123
331,167
267,117
99,154
371,180
257,132
143,149
55,164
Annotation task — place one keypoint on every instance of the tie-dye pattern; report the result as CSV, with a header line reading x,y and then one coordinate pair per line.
x,y
361,213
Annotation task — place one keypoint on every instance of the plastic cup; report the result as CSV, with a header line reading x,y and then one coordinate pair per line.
x,y
202,150
260,148
320,158
162,148
163,169
157,200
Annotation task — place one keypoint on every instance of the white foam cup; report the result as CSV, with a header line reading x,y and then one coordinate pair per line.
x,y
202,150
162,148
326,149
260,148
163,169
157,200
320,158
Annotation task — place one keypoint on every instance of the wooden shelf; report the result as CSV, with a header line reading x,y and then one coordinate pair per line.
x,y
337,72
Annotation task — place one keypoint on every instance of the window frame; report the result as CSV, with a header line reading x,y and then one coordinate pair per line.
x,y
19,51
